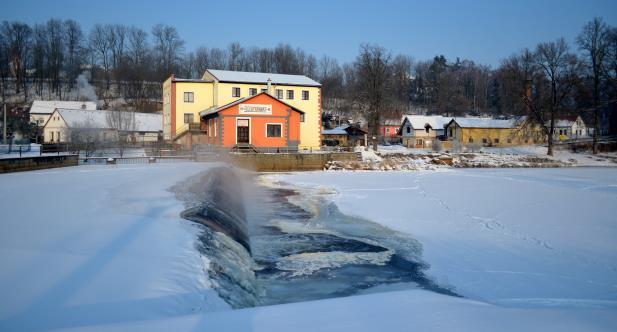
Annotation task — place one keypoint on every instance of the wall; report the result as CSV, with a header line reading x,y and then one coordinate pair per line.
x,y
33,163
40,119
203,99
281,114
284,162
56,125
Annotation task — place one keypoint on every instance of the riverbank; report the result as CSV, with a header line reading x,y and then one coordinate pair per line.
x,y
399,158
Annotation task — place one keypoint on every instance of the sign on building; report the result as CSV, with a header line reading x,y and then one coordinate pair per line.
x,y
255,109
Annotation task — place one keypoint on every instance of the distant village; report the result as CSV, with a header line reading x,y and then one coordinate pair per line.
x,y
267,112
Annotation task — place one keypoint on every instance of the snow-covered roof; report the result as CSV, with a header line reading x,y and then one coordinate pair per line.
x,y
261,78
566,121
98,119
420,121
487,123
48,106
340,130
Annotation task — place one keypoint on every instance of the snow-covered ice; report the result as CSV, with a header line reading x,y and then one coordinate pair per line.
x,y
533,237
103,248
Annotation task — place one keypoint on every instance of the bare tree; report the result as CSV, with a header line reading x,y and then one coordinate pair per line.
x,y
560,70
85,137
18,37
235,56
123,124
74,49
373,70
99,44
55,54
202,60
168,46
594,41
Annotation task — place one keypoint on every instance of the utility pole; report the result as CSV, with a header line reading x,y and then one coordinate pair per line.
x,y
4,125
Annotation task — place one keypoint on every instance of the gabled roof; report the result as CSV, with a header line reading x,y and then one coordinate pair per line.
x,y
98,119
48,106
214,110
341,130
566,120
419,122
486,123
261,78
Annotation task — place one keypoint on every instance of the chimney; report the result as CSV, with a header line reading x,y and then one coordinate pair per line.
x,y
269,86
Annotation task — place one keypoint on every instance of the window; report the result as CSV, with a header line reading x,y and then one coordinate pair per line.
x,y
188,118
279,93
509,140
52,136
264,90
301,117
58,134
450,132
409,130
388,130
305,95
484,140
290,94
235,92
252,91
470,140
273,130
189,97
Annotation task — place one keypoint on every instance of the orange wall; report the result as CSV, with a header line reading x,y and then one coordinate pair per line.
x,y
257,132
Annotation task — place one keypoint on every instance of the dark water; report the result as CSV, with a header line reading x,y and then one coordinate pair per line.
x,y
263,249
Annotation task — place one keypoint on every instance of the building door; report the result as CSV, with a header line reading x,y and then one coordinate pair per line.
x,y
242,127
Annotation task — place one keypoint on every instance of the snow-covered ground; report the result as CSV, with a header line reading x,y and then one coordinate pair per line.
x,y
91,245
103,248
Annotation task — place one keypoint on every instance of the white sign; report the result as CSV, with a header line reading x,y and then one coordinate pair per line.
x,y
255,109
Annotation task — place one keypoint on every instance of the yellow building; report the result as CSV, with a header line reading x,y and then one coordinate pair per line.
x,y
492,132
183,99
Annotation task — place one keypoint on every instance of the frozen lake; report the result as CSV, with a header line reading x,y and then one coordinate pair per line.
x,y
104,248
515,237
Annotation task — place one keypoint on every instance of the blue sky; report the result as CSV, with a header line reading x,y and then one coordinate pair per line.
x,y
484,31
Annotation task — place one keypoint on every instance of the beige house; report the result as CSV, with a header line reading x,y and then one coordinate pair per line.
x,y
63,124
41,110
420,131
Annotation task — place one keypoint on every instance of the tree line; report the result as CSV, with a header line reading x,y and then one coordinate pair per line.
x,y
129,63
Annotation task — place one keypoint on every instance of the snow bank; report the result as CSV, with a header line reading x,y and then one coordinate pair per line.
x,y
93,245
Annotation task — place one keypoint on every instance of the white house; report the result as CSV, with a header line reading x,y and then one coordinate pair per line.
x,y
570,127
41,110
421,130
138,127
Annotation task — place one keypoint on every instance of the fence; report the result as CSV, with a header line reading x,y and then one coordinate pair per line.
x,y
134,160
